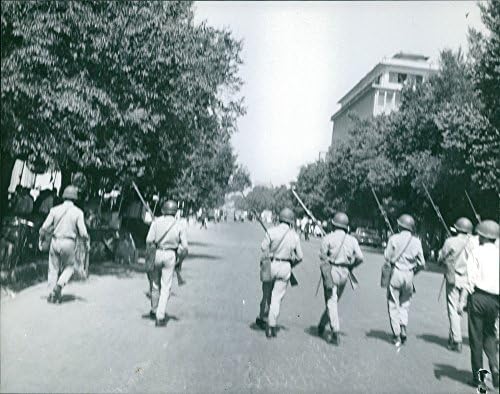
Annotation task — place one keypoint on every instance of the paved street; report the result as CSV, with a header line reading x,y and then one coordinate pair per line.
x,y
96,341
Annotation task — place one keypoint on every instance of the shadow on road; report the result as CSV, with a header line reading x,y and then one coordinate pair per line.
x,y
202,256
434,268
312,331
379,334
437,340
451,372
198,243
255,327
118,270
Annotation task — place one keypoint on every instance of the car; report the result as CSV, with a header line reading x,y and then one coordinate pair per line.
x,y
367,236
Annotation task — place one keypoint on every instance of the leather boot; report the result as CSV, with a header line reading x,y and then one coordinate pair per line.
x,y
274,331
268,332
57,294
403,334
261,323
334,339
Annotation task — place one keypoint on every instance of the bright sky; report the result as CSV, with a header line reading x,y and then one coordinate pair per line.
x,y
301,58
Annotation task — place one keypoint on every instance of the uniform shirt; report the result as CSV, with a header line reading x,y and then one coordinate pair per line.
x,y
454,255
289,249
343,253
175,238
68,219
412,256
482,268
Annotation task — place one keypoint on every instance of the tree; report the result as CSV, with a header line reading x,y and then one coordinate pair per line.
x,y
240,179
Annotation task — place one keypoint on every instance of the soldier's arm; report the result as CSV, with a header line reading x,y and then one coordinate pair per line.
x,y
182,252
389,249
80,225
49,221
151,237
324,249
358,255
298,251
443,252
420,260
266,244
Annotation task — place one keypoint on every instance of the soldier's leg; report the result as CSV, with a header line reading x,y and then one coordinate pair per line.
x,y
155,276
267,288
53,272
325,318
453,305
277,295
393,308
67,259
405,294
475,334
489,333
167,274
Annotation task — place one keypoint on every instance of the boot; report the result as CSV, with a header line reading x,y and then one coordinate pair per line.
x,y
396,340
321,330
334,338
50,298
403,334
161,322
152,315
261,323
274,331
57,294
457,347
268,332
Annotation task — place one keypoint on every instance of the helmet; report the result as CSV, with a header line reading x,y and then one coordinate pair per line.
x,y
407,222
463,225
169,207
341,220
70,193
287,216
488,229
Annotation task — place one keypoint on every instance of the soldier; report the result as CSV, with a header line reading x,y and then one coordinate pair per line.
x,y
64,224
453,256
168,237
283,247
339,253
483,305
404,252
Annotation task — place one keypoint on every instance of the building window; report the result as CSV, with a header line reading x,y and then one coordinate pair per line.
x,y
377,80
402,77
393,77
381,95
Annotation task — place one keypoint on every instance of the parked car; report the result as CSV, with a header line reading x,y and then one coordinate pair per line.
x,y
367,236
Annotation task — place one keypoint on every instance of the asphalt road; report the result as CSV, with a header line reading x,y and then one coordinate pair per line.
x,y
97,341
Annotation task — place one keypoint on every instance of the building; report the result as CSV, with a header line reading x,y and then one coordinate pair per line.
x,y
378,92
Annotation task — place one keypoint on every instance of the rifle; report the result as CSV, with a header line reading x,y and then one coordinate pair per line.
x,y
293,279
180,280
478,218
382,211
440,217
352,278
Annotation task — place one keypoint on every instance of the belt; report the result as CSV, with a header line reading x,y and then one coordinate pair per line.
x,y
166,248
286,260
65,237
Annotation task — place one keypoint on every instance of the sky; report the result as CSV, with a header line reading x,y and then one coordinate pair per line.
x,y
300,58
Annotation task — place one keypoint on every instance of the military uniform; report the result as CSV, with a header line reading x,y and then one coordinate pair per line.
x,y
173,244
342,251
69,224
404,251
454,255
483,305
288,252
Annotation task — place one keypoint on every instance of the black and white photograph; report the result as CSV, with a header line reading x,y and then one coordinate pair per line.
x,y
249,196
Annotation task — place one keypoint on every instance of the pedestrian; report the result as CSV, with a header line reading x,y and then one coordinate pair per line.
x,y
168,238
453,255
404,253
483,303
339,253
64,224
282,246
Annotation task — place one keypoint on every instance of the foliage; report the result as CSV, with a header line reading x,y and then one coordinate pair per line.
x,y
124,90
240,179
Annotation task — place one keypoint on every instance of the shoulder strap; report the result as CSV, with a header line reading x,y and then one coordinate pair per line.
x,y
339,249
165,233
281,241
394,261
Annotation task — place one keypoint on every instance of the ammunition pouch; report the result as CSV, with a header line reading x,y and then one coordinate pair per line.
x,y
386,273
265,269
326,274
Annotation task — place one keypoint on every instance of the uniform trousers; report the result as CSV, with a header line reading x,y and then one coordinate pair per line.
x,y
483,310
456,299
399,295
267,289
161,281
61,258
280,272
332,297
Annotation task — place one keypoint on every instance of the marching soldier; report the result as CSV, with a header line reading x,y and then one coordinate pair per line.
x,y
404,252
283,248
168,237
453,256
483,305
339,253
64,224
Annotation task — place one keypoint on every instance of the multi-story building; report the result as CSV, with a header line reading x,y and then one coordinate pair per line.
x,y
378,92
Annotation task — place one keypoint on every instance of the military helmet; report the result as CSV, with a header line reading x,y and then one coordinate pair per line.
x,y
463,225
488,229
341,220
287,216
407,222
70,193
169,207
